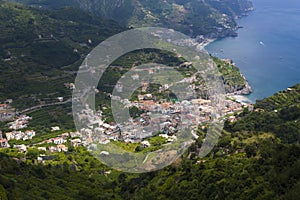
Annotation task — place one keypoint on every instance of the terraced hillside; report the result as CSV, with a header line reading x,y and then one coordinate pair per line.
x,y
41,50
39,47
250,161
209,17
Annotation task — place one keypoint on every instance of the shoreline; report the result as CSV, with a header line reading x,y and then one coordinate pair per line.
x,y
241,99
239,95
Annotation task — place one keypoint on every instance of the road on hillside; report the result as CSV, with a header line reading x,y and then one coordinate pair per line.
x,y
38,107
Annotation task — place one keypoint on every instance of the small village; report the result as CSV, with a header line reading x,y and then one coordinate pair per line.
x,y
158,118
162,118
167,121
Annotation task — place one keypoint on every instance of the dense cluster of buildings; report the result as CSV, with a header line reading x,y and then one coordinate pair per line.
x,y
159,117
20,135
20,122
46,147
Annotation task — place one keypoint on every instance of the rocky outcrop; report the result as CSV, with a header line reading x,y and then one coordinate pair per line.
x,y
244,90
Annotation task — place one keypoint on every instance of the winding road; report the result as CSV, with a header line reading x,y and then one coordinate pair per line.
x,y
38,107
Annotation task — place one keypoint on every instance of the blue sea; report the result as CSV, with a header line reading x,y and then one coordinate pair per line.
x,y
267,50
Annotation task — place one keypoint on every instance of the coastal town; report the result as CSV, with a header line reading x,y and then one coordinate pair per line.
x,y
156,115
159,118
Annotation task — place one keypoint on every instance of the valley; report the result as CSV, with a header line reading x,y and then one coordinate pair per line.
x,y
42,155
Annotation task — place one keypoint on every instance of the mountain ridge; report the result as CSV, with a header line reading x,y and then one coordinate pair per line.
x,y
41,46
257,156
208,18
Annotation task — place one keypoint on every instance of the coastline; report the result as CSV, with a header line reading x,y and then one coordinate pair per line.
x,y
238,95
241,94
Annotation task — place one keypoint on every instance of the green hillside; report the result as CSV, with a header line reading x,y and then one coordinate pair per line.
x,y
210,18
39,48
42,49
257,156
278,114
246,164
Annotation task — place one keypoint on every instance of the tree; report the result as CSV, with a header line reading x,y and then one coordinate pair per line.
x,y
32,154
250,151
3,195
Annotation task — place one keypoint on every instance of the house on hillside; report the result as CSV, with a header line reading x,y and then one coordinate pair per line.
x,y
76,142
3,141
21,148
55,128
59,140
145,144
3,106
53,149
62,147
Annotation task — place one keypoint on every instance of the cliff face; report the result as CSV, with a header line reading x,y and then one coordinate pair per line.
x,y
211,18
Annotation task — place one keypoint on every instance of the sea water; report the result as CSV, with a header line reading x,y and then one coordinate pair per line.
x,y
267,49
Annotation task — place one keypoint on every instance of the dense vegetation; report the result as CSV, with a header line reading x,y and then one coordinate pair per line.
x,y
41,50
252,160
278,114
257,157
190,17
39,47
